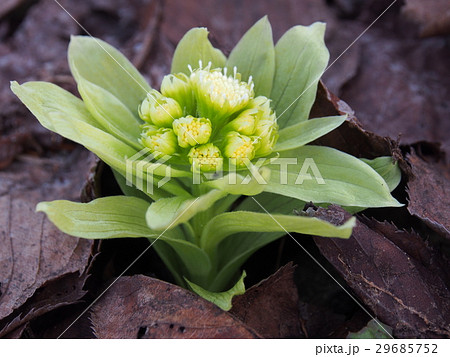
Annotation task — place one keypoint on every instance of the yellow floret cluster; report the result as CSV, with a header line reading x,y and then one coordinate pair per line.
x,y
206,117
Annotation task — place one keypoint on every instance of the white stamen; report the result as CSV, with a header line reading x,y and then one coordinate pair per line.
x,y
234,72
190,68
200,64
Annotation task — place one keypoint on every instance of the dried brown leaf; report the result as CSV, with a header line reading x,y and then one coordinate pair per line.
x,y
271,307
433,16
143,307
33,252
395,273
429,193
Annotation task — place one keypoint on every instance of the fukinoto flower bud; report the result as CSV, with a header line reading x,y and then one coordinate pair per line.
x,y
262,103
219,95
267,133
245,123
205,158
240,149
266,128
178,86
160,141
159,110
192,131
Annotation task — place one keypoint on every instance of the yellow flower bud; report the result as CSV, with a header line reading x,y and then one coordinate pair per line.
x,y
219,95
178,86
159,110
267,133
240,149
244,123
192,131
160,141
205,158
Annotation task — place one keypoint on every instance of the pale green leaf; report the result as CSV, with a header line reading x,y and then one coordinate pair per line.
x,y
272,203
170,212
387,169
325,175
302,133
195,47
194,259
45,100
130,190
230,223
110,112
221,299
108,217
122,216
301,58
65,114
171,261
236,249
104,66
58,110
254,55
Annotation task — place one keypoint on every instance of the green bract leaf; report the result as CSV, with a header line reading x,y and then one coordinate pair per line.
x,y
222,299
171,261
65,114
169,212
325,175
111,113
197,264
301,57
130,190
122,216
229,223
254,55
108,217
195,47
387,169
104,66
236,249
302,133
53,106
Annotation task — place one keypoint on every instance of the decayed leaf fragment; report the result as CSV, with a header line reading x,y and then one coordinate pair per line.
x,y
143,307
395,273
271,307
33,253
429,193
433,16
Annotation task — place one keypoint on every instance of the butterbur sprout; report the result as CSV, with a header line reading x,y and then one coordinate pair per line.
x,y
218,131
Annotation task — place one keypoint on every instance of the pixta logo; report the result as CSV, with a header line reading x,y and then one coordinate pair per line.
x,y
147,171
